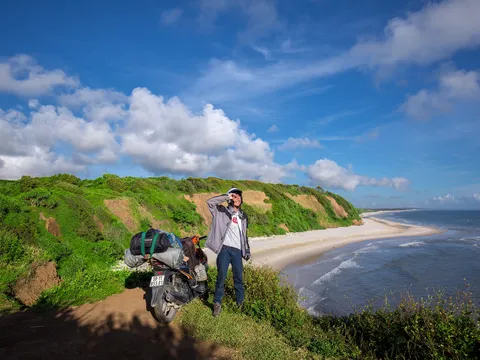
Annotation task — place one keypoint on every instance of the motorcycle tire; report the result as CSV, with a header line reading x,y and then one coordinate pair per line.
x,y
164,314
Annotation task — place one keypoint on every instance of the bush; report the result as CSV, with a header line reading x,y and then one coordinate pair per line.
x,y
185,213
432,328
66,178
8,206
11,248
28,183
41,197
80,218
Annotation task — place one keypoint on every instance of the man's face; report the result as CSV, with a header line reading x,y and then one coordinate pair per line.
x,y
237,200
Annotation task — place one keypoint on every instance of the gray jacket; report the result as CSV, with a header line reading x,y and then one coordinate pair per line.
x,y
222,218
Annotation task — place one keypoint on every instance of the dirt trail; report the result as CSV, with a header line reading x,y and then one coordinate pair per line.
x,y
119,327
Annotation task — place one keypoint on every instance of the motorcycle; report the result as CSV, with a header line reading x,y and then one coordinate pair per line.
x,y
173,288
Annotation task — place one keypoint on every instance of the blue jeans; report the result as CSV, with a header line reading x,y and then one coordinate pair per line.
x,y
229,255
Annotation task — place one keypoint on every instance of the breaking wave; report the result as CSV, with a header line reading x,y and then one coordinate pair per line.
x,y
413,244
347,264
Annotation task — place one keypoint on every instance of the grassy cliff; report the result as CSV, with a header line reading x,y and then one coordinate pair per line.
x,y
83,226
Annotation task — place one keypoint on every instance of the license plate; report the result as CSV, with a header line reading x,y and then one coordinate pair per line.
x,y
157,281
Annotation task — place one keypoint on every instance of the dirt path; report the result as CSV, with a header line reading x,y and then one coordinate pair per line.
x,y
119,327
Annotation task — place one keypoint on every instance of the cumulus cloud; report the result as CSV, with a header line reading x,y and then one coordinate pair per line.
x,y
171,16
454,85
193,144
97,104
38,162
327,173
300,143
27,144
20,75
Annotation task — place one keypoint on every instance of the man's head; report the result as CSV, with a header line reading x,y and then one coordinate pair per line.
x,y
236,198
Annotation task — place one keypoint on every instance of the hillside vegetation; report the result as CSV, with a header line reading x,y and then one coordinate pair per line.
x,y
82,227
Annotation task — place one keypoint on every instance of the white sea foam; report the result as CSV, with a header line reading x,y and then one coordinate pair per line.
x,y
413,244
470,238
366,249
347,264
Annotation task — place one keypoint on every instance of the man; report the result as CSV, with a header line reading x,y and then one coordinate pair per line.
x,y
228,239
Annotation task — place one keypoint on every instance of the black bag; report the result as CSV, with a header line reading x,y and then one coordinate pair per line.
x,y
141,243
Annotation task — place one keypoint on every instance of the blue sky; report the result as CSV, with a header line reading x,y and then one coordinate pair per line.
x,y
378,101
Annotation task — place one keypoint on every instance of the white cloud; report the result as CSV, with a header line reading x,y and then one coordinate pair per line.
x,y
454,85
426,36
263,51
171,16
33,103
456,201
273,128
327,173
37,163
97,104
300,143
20,75
193,144
334,117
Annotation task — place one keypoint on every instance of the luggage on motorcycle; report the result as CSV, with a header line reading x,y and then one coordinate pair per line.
x,y
132,260
149,242
189,251
200,272
172,257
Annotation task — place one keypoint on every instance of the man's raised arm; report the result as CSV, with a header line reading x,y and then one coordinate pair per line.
x,y
216,200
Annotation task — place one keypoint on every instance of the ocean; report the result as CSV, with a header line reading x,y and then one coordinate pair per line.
x,y
351,277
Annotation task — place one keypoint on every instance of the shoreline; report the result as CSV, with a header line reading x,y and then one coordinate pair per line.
x,y
281,251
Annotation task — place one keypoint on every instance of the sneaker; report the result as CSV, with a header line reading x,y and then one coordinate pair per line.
x,y
240,306
217,309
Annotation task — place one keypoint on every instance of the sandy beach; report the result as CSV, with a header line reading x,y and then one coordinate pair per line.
x,y
281,251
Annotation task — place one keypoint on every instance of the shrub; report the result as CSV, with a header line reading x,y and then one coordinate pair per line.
x,y
11,248
115,183
81,218
28,183
22,225
41,197
67,178
8,206
185,213
432,328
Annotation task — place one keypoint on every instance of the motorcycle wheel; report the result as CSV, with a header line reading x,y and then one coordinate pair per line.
x,y
163,313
